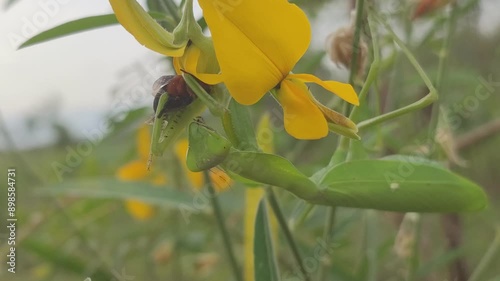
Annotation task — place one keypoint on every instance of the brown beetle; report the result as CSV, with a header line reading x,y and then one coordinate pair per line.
x,y
179,93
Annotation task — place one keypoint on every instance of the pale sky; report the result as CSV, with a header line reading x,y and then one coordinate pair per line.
x,y
80,71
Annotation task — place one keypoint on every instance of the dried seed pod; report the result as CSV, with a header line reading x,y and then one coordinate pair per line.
x,y
339,46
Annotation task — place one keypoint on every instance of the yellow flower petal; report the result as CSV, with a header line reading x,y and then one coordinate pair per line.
x,y
190,63
196,179
177,62
139,209
343,90
144,141
159,179
220,180
257,43
303,119
133,171
145,29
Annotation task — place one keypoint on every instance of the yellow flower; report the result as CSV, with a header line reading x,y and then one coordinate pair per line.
x,y
220,180
191,51
257,44
195,62
136,170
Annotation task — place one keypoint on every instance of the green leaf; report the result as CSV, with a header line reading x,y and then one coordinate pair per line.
x,y
264,259
109,188
71,27
272,170
76,26
403,184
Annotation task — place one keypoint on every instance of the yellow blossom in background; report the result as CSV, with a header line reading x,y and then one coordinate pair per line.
x,y
136,170
253,195
220,180
257,44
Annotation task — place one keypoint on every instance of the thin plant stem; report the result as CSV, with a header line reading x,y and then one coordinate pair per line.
x,y
288,234
443,59
327,237
344,142
226,239
414,259
356,39
355,48
372,73
431,97
305,214
488,256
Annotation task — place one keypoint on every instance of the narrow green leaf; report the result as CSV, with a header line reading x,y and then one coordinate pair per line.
x,y
76,26
264,259
109,188
71,27
403,184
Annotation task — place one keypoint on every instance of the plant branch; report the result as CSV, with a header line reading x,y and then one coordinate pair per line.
x,y
480,133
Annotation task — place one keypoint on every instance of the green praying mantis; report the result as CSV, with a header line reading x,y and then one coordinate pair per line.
x,y
369,183
179,100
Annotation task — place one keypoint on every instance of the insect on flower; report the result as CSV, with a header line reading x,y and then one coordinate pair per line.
x,y
172,96
179,94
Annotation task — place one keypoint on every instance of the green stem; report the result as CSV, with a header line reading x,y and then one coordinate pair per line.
x,y
431,97
327,235
355,48
443,59
226,239
305,214
424,102
414,259
356,40
372,73
284,227
488,256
